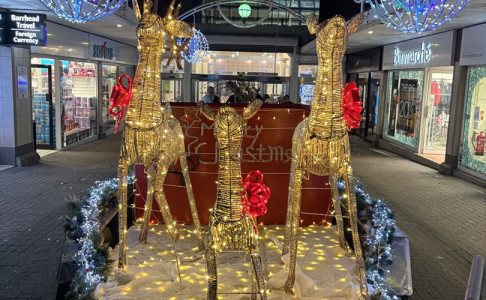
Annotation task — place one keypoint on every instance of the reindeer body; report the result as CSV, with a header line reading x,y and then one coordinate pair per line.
x,y
152,136
230,227
320,144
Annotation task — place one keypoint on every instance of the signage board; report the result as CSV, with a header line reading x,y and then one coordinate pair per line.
x,y
429,51
473,46
364,61
23,29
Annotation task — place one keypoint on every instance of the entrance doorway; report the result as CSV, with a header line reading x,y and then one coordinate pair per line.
x,y
436,112
43,106
369,85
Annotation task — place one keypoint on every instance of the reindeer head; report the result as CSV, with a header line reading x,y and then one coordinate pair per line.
x,y
332,34
229,124
152,29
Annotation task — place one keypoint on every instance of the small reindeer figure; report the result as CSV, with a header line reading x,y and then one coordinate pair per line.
x,y
320,144
230,226
152,136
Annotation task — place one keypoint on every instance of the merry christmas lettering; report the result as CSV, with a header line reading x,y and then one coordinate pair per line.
x,y
254,151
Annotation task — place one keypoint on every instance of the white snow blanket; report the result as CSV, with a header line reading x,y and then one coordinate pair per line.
x,y
161,269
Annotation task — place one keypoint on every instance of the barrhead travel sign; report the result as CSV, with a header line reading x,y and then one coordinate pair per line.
x,y
23,29
430,51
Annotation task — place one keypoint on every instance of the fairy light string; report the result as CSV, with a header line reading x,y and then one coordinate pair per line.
x,y
416,16
152,136
230,225
320,144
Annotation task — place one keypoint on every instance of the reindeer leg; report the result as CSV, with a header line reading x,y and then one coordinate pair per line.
x,y
333,182
122,211
147,211
192,202
162,201
258,281
295,196
353,221
212,268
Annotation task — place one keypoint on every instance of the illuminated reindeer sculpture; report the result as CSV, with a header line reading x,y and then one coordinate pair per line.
x,y
152,136
230,226
320,144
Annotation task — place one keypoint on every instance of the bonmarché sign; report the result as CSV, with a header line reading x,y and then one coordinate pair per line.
x,y
23,29
425,52
420,55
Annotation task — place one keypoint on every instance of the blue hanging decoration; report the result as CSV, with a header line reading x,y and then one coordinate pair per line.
x,y
197,47
416,16
80,11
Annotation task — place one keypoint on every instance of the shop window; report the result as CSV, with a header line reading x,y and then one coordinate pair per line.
x,y
403,106
243,63
108,80
472,155
79,101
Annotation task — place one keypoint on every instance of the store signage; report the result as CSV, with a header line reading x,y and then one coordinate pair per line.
x,y
364,61
416,56
430,51
473,46
101,51
23,29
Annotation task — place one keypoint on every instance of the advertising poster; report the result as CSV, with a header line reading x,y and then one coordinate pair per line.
x,y
407,120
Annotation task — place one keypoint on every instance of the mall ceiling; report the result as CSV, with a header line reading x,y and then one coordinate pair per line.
x,y
370,35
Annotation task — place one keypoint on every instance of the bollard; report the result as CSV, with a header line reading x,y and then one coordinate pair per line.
x,y
474,285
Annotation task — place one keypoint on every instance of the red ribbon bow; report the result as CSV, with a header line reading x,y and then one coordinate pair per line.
x,y
352,106
257,194
120,97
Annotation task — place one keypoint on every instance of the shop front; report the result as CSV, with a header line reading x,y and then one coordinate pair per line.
x,y
418,94
364,68
473,55
71,86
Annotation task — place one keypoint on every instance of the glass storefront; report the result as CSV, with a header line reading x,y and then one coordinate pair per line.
x,y
78,83
108,80
243,63
473,139
43,102
403,107
437,110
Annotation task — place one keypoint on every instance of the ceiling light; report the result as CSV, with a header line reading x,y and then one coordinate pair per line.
x,y
370,32
244,10
119,25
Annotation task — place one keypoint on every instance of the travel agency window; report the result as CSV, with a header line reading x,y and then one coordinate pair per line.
x,y
472,158
79,91
419,84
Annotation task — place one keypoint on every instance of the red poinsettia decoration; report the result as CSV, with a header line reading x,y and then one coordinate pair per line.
x,y
120,97
257,194
352,106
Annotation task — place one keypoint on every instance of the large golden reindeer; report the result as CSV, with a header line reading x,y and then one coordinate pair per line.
x,y
320,144
230,226
152,136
